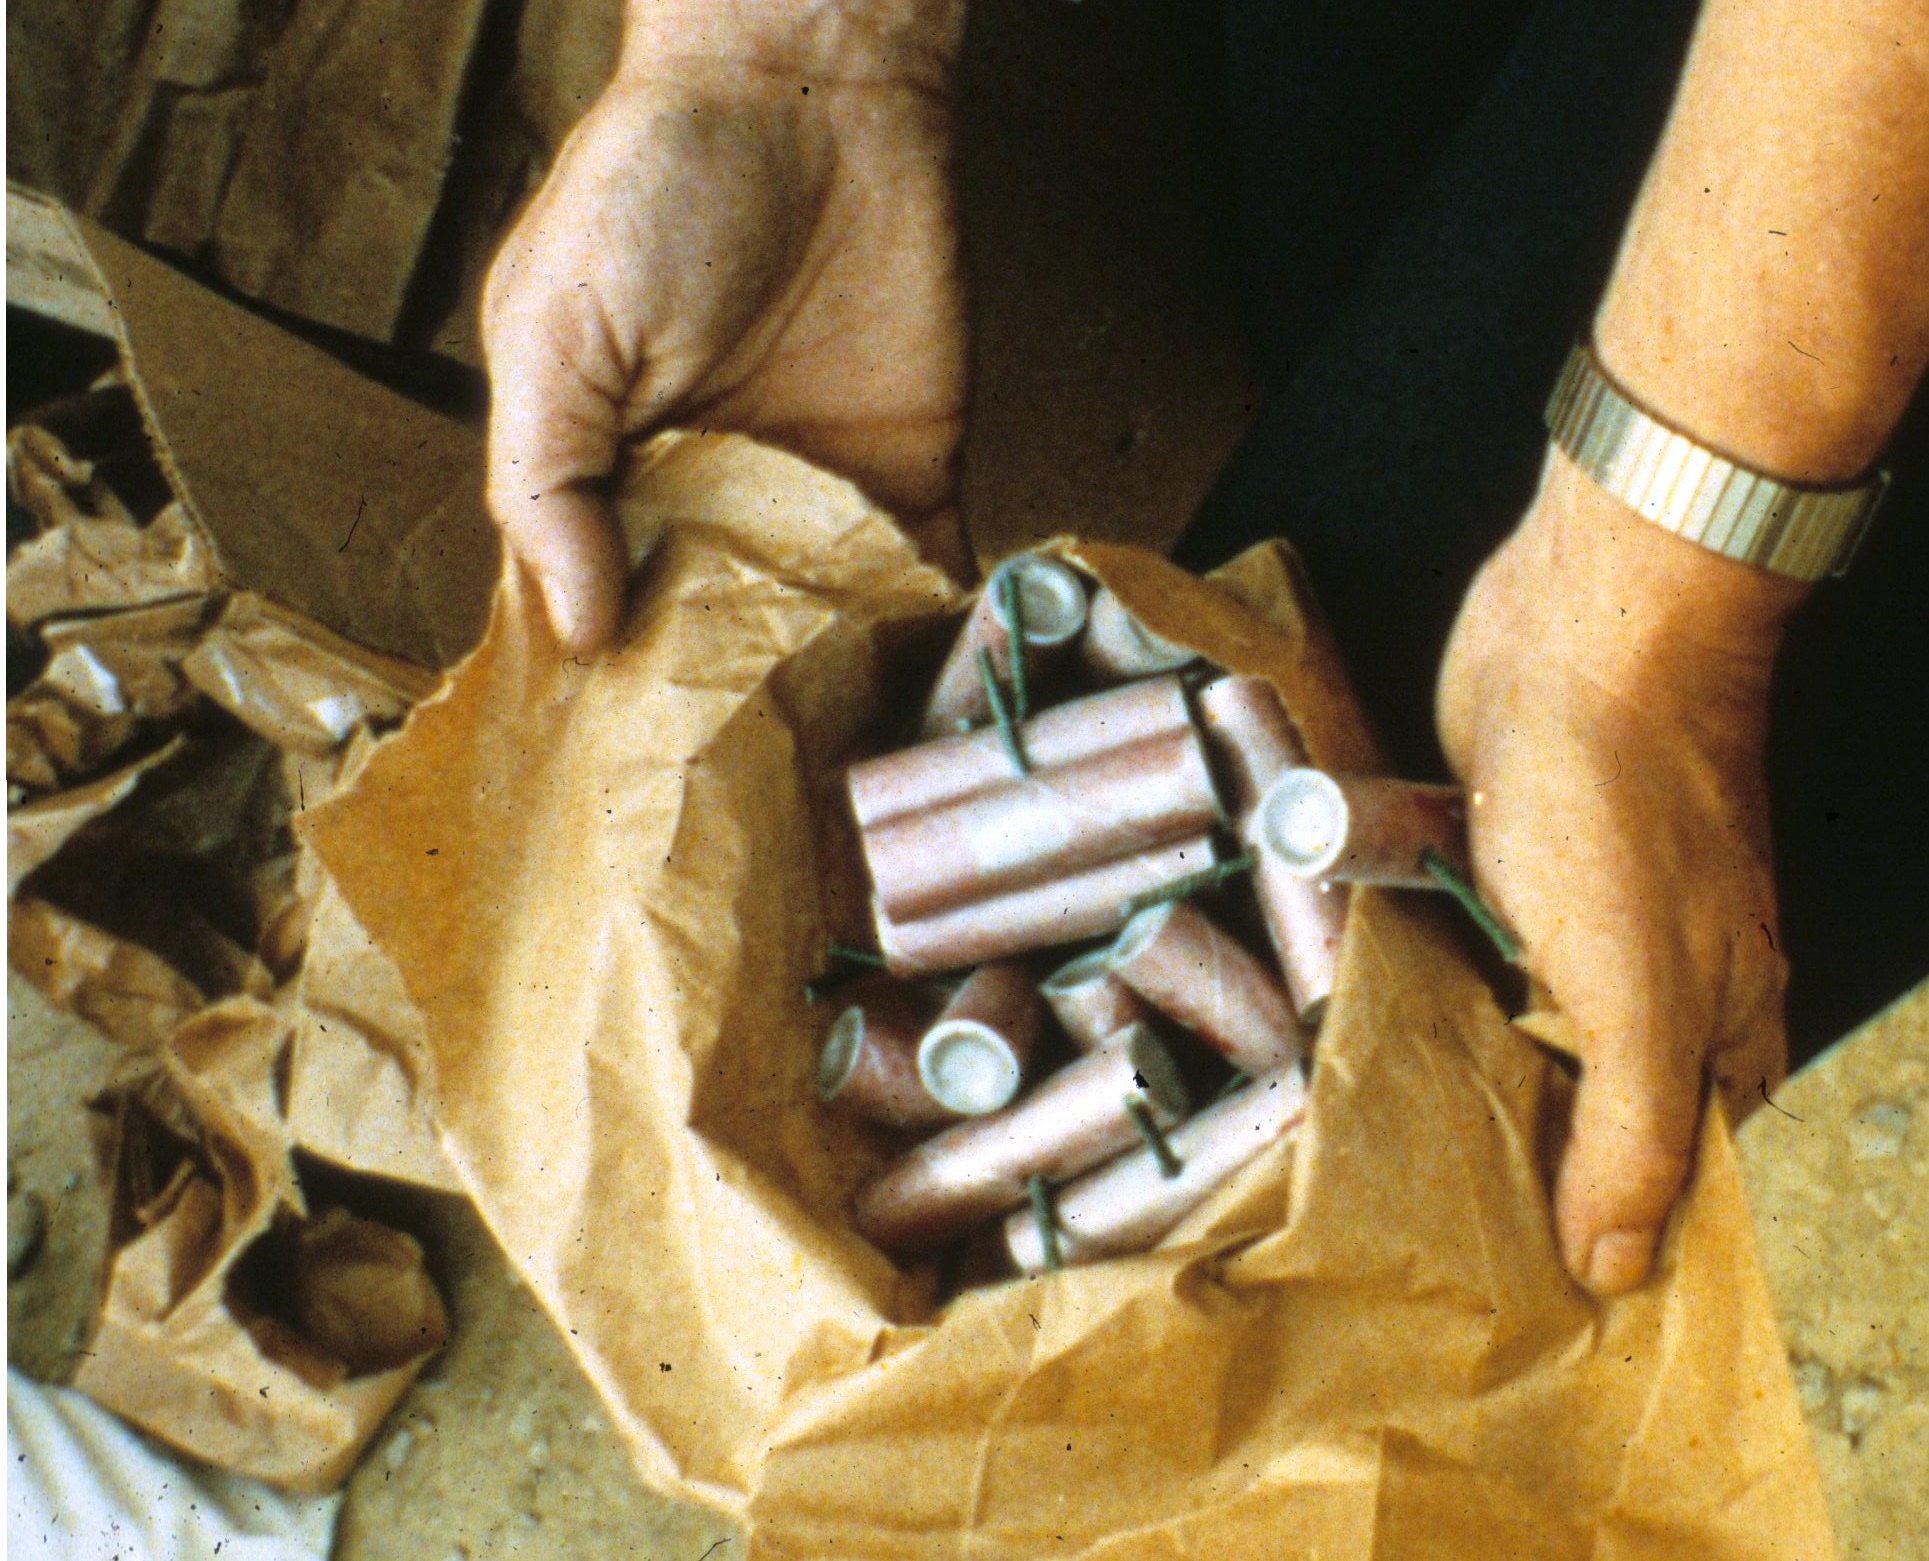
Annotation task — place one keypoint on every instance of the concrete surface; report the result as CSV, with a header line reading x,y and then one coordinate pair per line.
x,y
1838,1175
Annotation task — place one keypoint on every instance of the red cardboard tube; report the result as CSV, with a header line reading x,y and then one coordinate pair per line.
x,y
1051,601
1117,645
1090,1002
915,779
869,1065
973,1058
1361,828
1131,1205
1043,826
1072,1121
1252,737
1191,971
1081,905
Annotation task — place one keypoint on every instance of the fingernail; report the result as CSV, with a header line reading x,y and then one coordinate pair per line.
x,y
1619,1261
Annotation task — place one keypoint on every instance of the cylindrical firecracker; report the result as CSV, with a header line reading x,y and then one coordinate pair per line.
x,y
947,768
1251,735
869,1065
1202,977
973,1058
1051,605
1131,1204
1091,1003
1362,828
1081,905
1117,645
1042,826
1254,740
1072,1121
1306,920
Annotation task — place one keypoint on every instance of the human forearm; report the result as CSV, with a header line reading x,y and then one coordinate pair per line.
x,y
1772,295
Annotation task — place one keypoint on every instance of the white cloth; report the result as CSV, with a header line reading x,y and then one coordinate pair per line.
x,y
83,1486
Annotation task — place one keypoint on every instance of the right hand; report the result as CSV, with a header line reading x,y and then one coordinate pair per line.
x,y
1604,700
763,244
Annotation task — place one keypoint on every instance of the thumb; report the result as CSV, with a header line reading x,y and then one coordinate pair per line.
x,y
1627,1155
571,543
553,441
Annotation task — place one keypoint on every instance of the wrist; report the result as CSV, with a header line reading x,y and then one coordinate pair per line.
x,y
838,42
1640,607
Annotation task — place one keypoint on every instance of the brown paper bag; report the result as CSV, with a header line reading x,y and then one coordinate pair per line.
x,y
234,1326
357,1094
603,889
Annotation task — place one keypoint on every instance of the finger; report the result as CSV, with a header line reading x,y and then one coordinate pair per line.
x,y
569,538
575,551
554,426
1626,1158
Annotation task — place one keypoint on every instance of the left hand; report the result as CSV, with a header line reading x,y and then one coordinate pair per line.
x,y
1604,701
753,228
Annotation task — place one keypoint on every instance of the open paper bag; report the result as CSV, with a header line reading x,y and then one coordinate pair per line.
x,y
605,885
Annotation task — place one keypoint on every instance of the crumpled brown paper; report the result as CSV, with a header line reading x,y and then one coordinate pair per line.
x,y
351,1053
230,1324
300,148
357,1087
313,544
37,829
289,680
126,663
183,546
106,561
126,991
235,1326
347,161
603,889
107,677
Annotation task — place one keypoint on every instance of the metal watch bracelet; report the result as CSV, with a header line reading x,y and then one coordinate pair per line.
x,y
1700,496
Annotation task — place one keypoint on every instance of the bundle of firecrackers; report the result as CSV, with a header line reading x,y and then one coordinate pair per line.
x,y
1108,895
